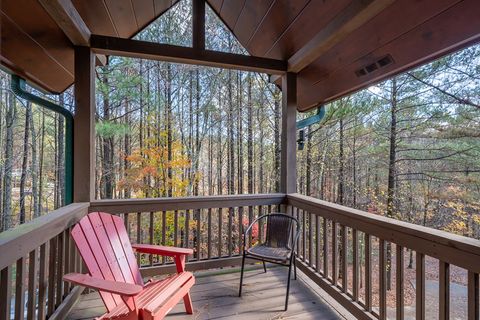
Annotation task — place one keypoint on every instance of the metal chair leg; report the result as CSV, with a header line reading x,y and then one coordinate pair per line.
x,y
264,266
241,276
294,268
288,284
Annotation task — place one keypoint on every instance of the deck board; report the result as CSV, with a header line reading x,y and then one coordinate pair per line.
x,y
215,296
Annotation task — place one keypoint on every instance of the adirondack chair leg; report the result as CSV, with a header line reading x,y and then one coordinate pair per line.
x,y
187,300
264,266
241,275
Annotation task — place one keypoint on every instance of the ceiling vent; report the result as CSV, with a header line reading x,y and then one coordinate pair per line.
x,y
380,63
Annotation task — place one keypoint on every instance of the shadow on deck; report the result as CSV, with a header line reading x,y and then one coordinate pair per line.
x,y
215,296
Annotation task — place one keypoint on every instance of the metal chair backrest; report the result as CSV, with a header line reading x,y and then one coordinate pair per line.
x,y
281,230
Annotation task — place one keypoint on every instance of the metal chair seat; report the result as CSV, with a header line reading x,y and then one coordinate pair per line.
x,y
264,251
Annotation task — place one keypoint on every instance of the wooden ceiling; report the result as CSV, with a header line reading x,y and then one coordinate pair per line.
x,y
331,44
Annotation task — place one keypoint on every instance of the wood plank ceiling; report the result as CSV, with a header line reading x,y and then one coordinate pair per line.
x,y
342,43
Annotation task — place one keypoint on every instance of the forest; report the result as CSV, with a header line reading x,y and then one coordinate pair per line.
x,y
407,148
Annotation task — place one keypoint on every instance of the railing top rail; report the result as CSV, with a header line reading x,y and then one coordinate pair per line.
x,y
185,203
19,241
448,247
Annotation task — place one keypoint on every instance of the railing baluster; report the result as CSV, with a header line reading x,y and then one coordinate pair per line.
x,y
220,223
164,232
420,286
42,281
318,243
150,235
60,272
444,290
344,259
198,217
66,259
209,233
240,229
229,231
400,300
20,289
125,220
304,236
368,270
187,232
51,276
383,279
356,269
325,248
5,292
310,238
260,223
473,300
139,236
334,252
175,228
296,214
32,284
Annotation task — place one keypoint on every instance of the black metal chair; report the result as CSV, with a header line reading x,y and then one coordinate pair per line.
x,y
281,235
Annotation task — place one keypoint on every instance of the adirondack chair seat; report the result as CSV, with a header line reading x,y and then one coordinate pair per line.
x,y
103,243
155,295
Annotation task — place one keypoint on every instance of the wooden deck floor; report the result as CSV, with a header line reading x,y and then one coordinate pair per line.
x,y
215,296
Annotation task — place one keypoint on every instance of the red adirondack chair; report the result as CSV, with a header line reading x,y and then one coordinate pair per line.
x,y
105,247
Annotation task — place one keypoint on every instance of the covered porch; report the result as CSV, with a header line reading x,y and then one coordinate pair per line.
x,y
341,252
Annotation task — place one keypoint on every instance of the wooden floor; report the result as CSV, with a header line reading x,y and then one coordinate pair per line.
x,y
215,296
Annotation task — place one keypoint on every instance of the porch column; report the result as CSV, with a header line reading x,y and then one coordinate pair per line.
x,y
84,126
288,171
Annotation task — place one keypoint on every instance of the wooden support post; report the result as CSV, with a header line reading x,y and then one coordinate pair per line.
x,y
288,174
84,126
198,24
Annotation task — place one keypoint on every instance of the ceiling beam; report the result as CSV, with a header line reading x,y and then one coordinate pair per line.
x,y
198,24
351,18
68,19
165,52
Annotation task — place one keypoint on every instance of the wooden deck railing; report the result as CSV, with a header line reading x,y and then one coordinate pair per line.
x,y
33,259
212,225
336,241
349,253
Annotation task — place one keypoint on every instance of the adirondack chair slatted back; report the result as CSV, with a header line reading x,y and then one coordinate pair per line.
x,y
105,247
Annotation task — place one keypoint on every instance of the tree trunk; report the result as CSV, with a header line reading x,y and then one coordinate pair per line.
x,y
391,172
35,194
240,133
107,145
250,137
26,146
61,156
231,139
276,134
10,120
341,163
308,166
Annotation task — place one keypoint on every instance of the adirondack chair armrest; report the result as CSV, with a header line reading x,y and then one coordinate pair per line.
x,y
162,250
121,288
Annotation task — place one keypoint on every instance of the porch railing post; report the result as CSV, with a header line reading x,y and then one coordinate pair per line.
x,y
288,175
84,126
